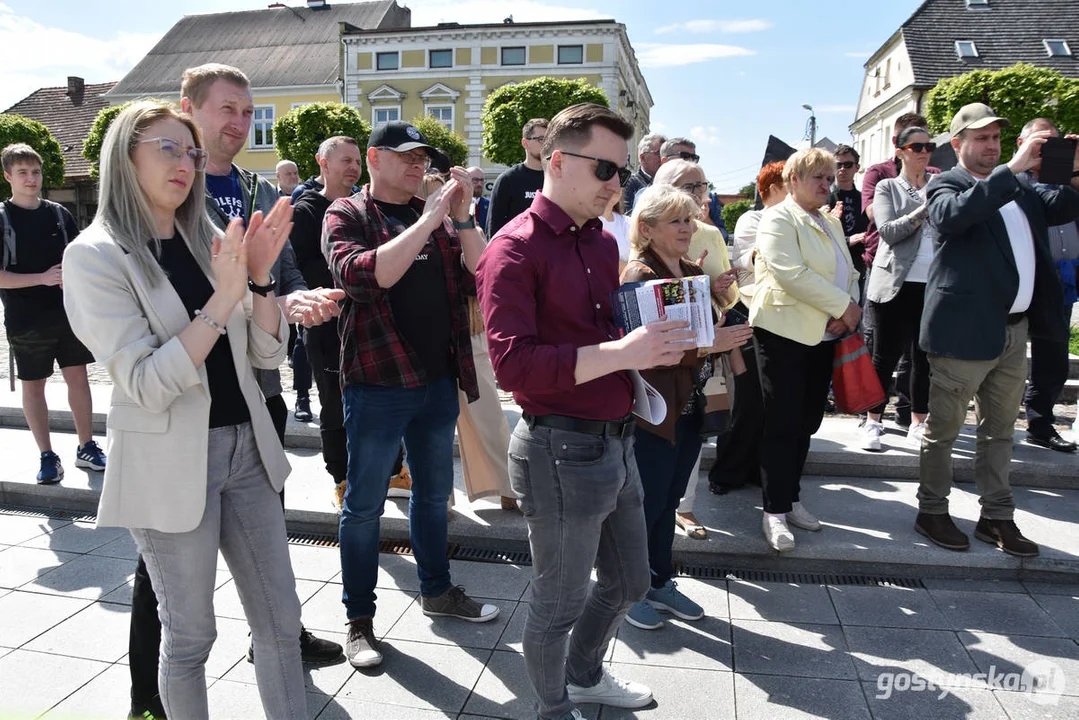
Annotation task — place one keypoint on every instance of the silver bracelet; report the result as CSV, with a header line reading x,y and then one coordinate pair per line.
x,y
209,321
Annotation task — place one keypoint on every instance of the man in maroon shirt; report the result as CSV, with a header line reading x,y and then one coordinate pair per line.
x,y
544,284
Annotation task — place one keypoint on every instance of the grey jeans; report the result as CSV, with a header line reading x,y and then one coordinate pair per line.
x,y
243,520
582,498
997,388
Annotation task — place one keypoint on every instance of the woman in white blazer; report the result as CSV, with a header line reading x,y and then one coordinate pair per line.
x,y
163,302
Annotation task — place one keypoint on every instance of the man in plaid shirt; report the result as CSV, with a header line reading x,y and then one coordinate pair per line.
x,y
404,264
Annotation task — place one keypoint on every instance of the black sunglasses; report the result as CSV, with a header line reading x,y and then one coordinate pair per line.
x,y
685,155
921,147
605,169
845,165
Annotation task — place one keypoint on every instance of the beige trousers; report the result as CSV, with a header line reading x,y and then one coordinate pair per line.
x,y
482,432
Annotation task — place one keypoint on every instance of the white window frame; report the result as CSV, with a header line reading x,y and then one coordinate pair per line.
x,y
295,105
440,67
375,109
442,106
977,3
255,122
1049,50
959,46
388,52
558,54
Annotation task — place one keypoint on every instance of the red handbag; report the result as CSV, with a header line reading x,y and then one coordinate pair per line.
x,y
854,379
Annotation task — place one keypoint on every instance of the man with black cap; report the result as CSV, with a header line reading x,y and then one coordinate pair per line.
x,y
404,264
992,281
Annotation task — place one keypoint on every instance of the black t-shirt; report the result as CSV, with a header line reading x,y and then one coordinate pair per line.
x,y
227,404
854,221
421,308
512,194
306,238
39,244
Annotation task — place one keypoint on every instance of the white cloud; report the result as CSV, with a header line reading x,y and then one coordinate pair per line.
x,y
836,108
432,12
57,53
704,135
663,55
722,26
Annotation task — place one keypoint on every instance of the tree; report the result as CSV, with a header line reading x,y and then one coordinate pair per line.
x,y
299,132
732,211
748,191
1020,93
91,146
509,107
19,129
441,137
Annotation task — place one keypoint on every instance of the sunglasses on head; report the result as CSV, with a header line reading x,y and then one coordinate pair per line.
x,y
845,165
921,147
685,155
605,169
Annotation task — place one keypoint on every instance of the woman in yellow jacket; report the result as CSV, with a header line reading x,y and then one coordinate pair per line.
x,y
805,299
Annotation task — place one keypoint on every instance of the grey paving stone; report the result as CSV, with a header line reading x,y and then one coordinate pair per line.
x,y
15,529
99,632
107,695
490,580
677,693
229,648
1064,609
121,595
932,654
78,537
414,625
956,704
418,675
122,547
1015,653
1020,706
513,636
503,691
240,700
325,679
995,612
313,563
227,599
87,576
31,682
25,615
886,607
397,572
19,565
968,585
349,709
324,610
703,644
781,602
1043,588
768,697
798,650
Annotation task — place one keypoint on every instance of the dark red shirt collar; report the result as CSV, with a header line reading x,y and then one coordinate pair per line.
x,y
554,217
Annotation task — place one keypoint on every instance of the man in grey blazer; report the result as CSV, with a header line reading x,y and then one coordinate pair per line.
x,y
992,281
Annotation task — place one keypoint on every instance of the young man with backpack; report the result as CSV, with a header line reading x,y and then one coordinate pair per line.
x,y
35,232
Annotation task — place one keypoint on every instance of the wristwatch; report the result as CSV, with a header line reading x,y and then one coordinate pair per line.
x,y
469,224
262,290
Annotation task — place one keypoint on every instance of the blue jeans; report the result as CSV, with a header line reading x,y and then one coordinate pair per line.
x,y
243,520
376,418
581,496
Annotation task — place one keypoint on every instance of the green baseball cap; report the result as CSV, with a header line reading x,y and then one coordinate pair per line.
x,y
974,116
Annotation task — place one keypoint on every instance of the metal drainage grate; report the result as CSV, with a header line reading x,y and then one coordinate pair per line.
x,y
713,573
313,539
47,513
504,557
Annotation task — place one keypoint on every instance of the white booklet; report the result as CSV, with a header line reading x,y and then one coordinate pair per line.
x,y
648,404
687,299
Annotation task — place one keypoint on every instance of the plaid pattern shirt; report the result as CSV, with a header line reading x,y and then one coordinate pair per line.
x,y
372,350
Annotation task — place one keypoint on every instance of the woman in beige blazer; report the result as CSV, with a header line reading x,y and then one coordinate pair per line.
x,y
163,302
805,299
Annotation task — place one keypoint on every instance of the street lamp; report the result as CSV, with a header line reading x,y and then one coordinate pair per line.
x,y
812,125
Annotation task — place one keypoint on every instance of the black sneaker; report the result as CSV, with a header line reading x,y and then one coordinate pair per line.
x,y
52,471
454,603
137,714
362,647
313,650
303,409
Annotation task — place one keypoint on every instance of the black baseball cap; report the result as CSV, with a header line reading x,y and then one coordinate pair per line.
x,y
401,136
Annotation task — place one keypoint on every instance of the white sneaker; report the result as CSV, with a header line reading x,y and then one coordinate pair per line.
x,y
871,433
611,691
777,533
915,434
799,517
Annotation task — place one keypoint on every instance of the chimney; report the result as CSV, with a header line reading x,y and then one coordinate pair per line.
x,y
75,88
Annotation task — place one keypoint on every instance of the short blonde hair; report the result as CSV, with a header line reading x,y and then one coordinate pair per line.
x,y
657,203
805,162
430,183
672,171
197,81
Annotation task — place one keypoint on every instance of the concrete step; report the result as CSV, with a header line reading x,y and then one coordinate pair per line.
x,y
868,521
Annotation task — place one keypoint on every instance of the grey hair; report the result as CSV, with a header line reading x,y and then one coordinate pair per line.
x,y
125,212
671,143
646,143
1032,124
330,144
672,171
284,163
657,202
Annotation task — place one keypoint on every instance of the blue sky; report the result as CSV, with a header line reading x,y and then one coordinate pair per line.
x,y
725,73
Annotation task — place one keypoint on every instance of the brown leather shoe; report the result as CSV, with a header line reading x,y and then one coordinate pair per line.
x,y
1006,536
941,530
